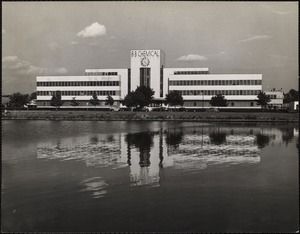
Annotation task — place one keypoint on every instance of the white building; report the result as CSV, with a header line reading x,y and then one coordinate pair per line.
x,y
196,85
276,99
294,106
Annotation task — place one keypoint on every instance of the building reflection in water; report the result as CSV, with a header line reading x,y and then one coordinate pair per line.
x,y
144,169
148,154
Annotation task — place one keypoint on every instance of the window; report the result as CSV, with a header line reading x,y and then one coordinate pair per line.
x,y
145,74
232,103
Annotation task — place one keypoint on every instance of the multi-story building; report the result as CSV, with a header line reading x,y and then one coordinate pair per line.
x,y
196,85
276,99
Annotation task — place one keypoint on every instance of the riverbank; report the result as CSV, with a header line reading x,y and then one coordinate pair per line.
x,y
153,116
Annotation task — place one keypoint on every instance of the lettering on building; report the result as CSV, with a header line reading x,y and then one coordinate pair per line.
x,y
144,53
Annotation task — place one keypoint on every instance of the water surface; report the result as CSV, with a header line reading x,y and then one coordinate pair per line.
x,y
149,176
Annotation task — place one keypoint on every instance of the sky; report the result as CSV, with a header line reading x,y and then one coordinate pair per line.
x,y
65,38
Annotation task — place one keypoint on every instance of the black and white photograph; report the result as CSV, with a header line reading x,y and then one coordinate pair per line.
x,y
150,117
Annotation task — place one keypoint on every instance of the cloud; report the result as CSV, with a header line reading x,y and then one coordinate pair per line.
x,y
192,58
16,66
9,59
257,38
74,42
53,46
94,30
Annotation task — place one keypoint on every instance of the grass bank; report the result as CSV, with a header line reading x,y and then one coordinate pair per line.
x,y
154,116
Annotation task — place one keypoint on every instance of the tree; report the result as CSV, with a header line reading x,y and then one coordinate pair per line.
x,y
263,99
218,100
130,100
74,102
174,98
109,100
144,96
17,100
94,100
291,96
141,97
33,96
56,100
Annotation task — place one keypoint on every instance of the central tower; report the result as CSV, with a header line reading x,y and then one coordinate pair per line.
x,y
146,69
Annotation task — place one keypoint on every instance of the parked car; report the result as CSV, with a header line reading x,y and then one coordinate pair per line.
x,y
159,108
114,108
212,110
125,109
140,109
178,109
149,108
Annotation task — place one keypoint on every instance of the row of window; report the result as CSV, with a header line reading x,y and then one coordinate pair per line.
x,y
79,83
101,73
190,72
215,82
189,104
215,92
272,96
80,93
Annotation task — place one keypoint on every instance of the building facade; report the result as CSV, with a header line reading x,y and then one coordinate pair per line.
x,y
276,99
147,68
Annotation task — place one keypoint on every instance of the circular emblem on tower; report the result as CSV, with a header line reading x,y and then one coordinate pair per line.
x,y
145,61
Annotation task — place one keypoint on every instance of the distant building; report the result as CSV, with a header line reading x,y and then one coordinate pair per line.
x,y
276,99
196,85
294,106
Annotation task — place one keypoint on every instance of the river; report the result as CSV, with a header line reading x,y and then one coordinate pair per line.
x,y
135,176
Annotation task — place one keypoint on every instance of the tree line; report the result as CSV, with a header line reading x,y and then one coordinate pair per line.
x,y
141,97
19,100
